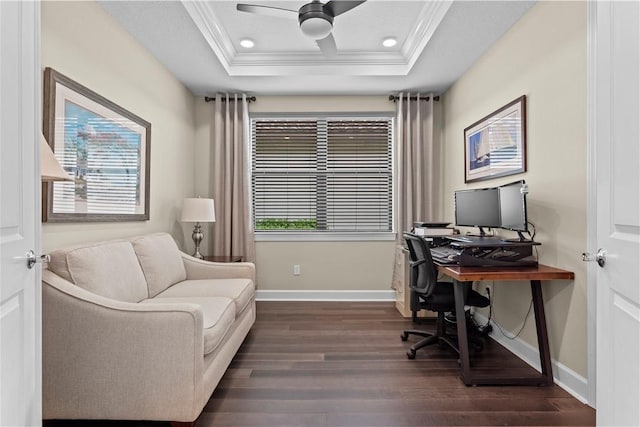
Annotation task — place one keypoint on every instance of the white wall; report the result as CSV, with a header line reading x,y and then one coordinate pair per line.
x,y
81,41
544,56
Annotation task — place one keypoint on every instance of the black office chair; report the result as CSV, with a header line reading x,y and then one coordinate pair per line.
x,y
435,296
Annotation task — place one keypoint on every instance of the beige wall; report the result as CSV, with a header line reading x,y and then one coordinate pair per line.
x,y
322,104
363,266
81,41
335,265
544,56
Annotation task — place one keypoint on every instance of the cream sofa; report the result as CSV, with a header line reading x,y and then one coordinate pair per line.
x,y
134,329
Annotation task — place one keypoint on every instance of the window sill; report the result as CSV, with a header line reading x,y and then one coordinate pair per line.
x,y
275,236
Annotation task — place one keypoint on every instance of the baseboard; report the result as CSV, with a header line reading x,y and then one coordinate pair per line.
x,y
567,379
324,295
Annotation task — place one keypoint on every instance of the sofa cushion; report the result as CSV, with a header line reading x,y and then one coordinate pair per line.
x,y
160,260
241,291
110,269
218,316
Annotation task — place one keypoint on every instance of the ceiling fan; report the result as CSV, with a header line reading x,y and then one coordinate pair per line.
x,y
315,18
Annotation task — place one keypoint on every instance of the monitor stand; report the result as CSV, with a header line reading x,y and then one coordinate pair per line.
x,y
481,234
520,238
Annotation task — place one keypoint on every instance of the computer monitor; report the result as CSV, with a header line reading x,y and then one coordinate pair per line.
x,y
478,208
513,207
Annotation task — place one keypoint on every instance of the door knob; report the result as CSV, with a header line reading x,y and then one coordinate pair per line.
x,y
600,257
32,259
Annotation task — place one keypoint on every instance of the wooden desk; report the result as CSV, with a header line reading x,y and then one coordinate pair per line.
x,y
223,258
460,275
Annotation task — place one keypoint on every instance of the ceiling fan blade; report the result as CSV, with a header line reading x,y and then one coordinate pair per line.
x,y
338,7
267,10
328,46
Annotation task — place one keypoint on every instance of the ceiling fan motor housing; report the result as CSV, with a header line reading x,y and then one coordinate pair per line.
x,y
314,21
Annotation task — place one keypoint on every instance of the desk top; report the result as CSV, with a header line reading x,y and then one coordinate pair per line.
x,y
472,274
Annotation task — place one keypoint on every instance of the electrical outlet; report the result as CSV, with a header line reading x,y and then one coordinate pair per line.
x,y
296,270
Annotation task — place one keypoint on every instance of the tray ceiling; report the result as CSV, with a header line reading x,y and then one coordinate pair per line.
x,y
199,42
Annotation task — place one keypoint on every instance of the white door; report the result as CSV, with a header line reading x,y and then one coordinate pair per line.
x,y
20,319
617,142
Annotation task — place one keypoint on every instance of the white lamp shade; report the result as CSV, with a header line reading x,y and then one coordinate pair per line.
x,y
198,210
50,169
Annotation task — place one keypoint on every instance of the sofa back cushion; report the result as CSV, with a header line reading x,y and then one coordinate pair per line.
x,y
161,261
110,269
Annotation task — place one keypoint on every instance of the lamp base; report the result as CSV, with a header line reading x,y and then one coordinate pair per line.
x,y
197,237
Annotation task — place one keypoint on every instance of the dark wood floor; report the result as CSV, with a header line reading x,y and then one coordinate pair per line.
x,y
344,364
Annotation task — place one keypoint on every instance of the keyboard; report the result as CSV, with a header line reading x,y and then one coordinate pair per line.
x,y
445,254
475,239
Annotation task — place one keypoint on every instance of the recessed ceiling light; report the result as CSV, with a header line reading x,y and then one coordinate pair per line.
x,y
247,43
389,42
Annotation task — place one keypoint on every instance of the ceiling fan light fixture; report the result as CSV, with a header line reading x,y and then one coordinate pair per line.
x,y
247,43
316,28
389,42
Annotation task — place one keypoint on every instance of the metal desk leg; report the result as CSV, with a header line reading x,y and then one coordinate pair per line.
x,y
541,329
461,325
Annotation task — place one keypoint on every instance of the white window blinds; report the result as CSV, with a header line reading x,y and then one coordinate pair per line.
x,y
107,176
328,174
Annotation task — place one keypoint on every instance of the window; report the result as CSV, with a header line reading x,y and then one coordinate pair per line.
x,y
322,174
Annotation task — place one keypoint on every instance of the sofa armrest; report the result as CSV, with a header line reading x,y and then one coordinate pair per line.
x,y
110,359
200,269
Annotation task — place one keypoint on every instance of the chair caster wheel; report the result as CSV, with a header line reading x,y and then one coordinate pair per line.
x,y
411,354
404,336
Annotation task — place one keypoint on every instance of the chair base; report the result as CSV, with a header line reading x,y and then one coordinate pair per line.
x,y
428,340
437,337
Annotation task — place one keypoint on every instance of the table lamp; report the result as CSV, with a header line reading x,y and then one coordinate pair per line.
x,y
50,169
198,210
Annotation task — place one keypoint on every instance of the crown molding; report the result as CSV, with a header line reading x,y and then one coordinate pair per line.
x,y
430,18
212,31
294,63
397,63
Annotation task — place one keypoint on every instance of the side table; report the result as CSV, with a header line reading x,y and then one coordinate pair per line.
x,y
223,258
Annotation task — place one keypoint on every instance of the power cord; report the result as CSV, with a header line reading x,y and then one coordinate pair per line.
x,y
534,230
532,237
488,324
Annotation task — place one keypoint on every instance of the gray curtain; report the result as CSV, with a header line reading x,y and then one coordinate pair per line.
x,y
415,169
232,232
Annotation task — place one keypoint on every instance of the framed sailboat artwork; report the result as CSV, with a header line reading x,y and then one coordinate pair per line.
x,y
495,145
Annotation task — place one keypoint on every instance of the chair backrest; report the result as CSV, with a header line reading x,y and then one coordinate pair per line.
x,y
424,276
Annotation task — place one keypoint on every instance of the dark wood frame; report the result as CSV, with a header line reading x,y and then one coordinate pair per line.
x,y
489,174
51,79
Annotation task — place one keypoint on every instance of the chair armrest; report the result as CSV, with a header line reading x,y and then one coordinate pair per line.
x,y
104,358
200,269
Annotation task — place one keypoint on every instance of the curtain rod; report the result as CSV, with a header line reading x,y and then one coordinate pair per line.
x,y
213,98
394,98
